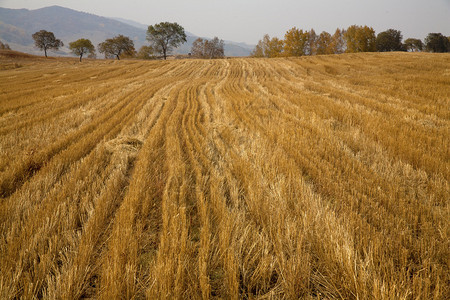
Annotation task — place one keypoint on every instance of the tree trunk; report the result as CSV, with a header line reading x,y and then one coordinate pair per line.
x,y
118,58
81,56
45,51
164,54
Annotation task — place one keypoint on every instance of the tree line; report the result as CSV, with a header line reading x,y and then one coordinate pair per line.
x,y
166,36
163,38
298,42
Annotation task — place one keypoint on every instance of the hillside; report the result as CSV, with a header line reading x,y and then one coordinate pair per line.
x,y
320,177
17,26
12,55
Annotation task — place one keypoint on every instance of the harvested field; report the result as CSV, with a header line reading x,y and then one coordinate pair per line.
x,y
317,177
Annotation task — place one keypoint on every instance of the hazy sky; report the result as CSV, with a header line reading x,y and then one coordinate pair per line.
x,y
248,20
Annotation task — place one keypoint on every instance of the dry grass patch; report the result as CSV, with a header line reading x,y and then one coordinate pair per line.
x,y
318,177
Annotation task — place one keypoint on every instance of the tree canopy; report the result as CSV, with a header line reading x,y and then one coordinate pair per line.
x,y
165,36
324,43
298,42
81,47
116,46
146,52
360,39
269,47
295,41
389,40
311,47
203,48
437,42
338,41
45,40
413,45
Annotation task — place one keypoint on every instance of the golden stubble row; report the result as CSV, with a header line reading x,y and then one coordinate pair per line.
x,y
321,177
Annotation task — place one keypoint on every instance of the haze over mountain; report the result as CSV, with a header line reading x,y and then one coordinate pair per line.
x,y
231,48
17,26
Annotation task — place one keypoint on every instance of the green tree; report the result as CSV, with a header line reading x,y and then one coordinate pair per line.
x,y
389,40
360,39
413,45
81,47
116,46
295,42
203,48
45,40
146,52
437,42
165,36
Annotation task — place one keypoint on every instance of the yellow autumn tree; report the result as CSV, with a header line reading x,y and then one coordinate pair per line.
x,y
311,48
360,39
338,41
268,47
259,50
324,43
295,42
275,48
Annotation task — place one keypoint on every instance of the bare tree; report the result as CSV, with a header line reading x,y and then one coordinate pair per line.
x,y
203,48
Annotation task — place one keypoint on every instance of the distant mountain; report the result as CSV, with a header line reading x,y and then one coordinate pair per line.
x,y
143,26
132,23
17,26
